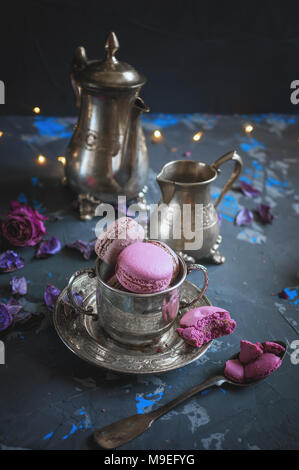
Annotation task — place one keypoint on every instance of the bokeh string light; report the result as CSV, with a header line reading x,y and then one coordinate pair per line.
x,y
36,110
248,128
41,159
197,136
157,136
62,160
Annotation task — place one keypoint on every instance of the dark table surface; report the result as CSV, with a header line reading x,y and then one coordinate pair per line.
x,y
51,399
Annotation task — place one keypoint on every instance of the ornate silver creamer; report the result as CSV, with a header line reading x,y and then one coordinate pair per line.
x,y
187,182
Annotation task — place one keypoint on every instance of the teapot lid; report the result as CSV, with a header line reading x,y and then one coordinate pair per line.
x,y
107,73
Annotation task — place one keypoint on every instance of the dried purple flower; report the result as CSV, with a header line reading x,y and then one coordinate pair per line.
x,y
13,306
23,226
283,295
244,217
48,248
264,212
50,296
78,299
26,320
18,285
10,261
6,317
86,248
249,190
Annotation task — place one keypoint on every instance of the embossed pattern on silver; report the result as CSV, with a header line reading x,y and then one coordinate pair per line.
x,y
86,338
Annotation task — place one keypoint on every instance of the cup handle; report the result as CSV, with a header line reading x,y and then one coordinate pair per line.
x,y
203,269
89,311
236,172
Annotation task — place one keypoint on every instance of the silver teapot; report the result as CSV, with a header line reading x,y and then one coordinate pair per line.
x,y
185,186
107,154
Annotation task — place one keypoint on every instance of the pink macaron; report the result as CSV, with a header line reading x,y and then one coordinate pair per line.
x,y
262,367
144,268
202,324
234,370
249,351
173,256
117,236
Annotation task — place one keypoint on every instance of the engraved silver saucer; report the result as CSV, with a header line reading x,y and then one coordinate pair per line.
x,y
86,338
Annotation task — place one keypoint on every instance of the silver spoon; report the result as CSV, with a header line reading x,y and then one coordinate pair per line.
x,y
121,432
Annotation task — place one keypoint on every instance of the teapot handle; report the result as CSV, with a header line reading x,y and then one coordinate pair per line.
x,y
236,172
79,62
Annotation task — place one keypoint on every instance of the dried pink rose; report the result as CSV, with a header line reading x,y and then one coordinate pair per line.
x,y
244,217
249,190
23,226
264,212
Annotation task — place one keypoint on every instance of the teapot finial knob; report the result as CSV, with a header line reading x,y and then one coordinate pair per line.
x,y
80,58
111,46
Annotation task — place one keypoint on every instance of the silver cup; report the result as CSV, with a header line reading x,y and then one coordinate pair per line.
x,y
135,319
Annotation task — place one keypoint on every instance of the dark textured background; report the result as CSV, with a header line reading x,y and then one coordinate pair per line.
x,y
217,57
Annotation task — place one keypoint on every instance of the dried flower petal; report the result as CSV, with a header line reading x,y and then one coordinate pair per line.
x,y
264,211
13,306
10,261
283,294
18,285
78,299
6,317
249,190
50,296
26,320
48,248
86,248
244,217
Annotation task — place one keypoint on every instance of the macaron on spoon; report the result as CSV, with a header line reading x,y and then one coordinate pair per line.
x,y
121,432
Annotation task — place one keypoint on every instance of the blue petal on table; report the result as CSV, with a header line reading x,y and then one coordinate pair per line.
x,y
86,248
244,217
249,190
10,261
18,285
264,212
50,296
48,248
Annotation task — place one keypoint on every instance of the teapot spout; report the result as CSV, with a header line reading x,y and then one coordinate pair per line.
x,y
134,141
140,106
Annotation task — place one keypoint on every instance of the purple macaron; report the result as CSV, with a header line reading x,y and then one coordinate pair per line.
x,y
144,268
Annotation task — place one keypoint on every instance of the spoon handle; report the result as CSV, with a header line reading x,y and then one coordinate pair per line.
x,y
218,379
121,432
